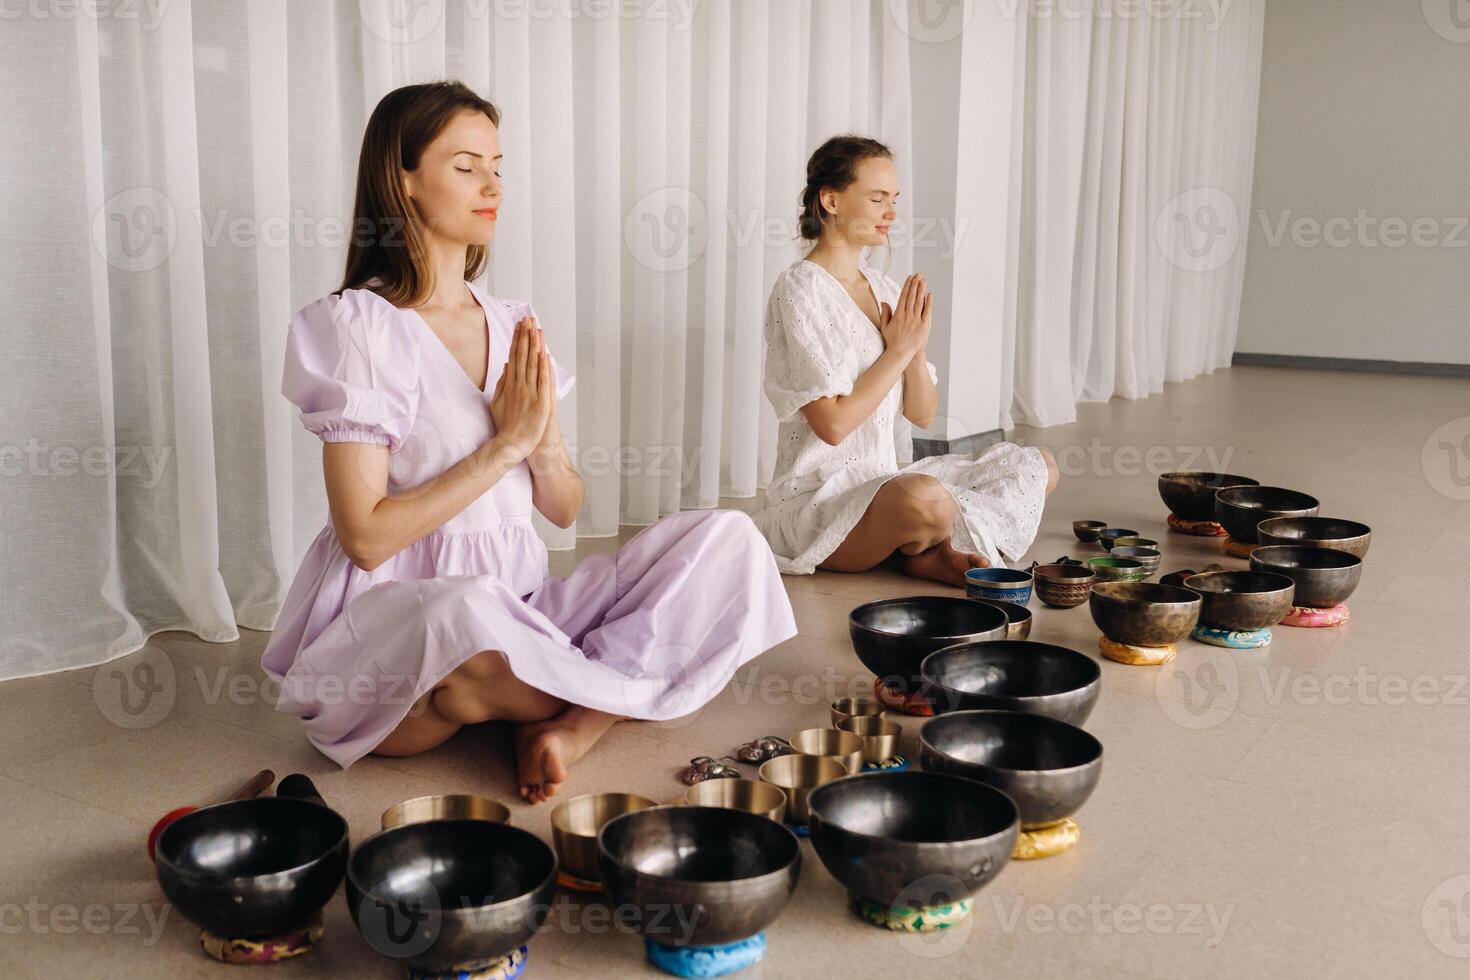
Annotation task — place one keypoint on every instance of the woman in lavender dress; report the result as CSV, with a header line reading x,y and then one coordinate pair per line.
x,y
426,604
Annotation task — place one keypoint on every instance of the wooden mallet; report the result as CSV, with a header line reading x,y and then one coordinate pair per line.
x,y
254,786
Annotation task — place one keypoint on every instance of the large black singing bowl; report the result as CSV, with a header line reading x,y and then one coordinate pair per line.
x,y
893,636
1324,577
1048,767
912,839
442,893
252,868
1013,675
1192,495
1241,509
698,875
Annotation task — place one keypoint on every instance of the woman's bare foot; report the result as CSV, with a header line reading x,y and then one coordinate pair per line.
x,y
942,563
544,749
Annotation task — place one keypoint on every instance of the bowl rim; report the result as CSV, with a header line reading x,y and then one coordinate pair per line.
x,y
1123,560
550,878
1365,532
603,852
1016,583
160,858
854,623
1179,477
1353,561
923,774
1258,488
1102,591
924,742
1085,574
1219,573
557,815
929,678
1089,525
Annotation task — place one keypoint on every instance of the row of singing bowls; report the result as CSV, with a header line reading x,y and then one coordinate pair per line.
x,y
916,839
1048,767
1242,600
1144,613
1324,577
1317,532
893,636
256,867
442,893
1018,617
698,875
576,823
1013,675
1192,495
1241,509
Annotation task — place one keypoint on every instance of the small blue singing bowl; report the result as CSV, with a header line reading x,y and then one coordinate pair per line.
x,y
1001,584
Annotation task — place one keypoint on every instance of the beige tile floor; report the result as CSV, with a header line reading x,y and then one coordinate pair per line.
x,y
1293,811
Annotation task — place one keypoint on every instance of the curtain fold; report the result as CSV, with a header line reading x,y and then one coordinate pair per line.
x,y
180,186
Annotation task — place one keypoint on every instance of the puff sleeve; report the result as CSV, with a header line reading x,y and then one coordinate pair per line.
x,y
352,368
519,310
806,357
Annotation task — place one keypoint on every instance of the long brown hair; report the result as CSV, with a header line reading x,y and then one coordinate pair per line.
x,y
389,241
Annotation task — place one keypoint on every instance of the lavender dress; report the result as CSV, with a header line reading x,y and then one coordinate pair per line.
x,y
652,632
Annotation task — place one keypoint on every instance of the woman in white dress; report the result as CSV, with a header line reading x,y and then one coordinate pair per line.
x,y
844,355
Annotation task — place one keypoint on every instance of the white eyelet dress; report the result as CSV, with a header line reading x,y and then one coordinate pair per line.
x,y
818,343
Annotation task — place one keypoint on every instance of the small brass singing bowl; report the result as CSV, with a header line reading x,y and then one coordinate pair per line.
x,y
767,799
576,823
855,708
797,775
451,806
845,747
879,735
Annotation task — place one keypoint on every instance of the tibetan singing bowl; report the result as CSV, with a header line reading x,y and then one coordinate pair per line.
x,y
891,636
1018,617
855,707
437,894
1088,530
1240,509
797,775
740,794
1324,577
1146,555
1048,767
833,743
1108,535
453,806
1317,532
1191,496
576,823
1242,600
1062,585
1142,613
1013,675
698,875
880,736
913,839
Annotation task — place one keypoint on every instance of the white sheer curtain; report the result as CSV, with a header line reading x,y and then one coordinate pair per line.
x,y
179,180
1130,199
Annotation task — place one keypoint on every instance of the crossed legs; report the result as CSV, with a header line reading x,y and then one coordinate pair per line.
x,y
550,737
909,520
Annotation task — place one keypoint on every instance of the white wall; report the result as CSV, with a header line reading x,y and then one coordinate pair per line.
x,y
1364,116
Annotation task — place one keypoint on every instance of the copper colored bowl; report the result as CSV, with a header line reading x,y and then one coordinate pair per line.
x,y
1142,613
1063,586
